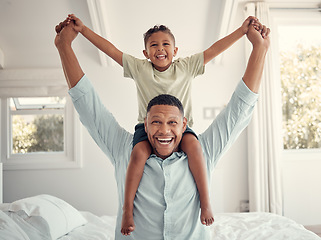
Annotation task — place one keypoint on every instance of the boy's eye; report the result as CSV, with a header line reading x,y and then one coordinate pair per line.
x,y
154,45
166,44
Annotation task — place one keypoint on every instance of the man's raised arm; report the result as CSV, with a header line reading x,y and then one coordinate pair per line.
x,y
69,61
260,41
235,117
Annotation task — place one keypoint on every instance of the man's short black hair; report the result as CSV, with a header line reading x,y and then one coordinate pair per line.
x,y
166,99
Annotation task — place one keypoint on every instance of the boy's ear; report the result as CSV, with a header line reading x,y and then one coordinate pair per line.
x,y
175,51
145,54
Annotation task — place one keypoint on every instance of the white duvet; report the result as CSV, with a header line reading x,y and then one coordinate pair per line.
x,y
9,229
258,226
227,226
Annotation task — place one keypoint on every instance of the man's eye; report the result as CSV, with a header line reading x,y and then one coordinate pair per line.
x,y
173,123
155,122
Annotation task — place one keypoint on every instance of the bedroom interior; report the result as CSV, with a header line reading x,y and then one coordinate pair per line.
x,y
84,179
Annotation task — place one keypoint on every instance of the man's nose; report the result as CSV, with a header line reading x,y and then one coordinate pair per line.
x,y
164,128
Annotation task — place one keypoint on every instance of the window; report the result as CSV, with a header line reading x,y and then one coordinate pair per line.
x,y
38,130
299,58
37,125
300,71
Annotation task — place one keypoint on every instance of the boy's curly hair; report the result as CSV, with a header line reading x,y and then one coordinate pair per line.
x,y
155,29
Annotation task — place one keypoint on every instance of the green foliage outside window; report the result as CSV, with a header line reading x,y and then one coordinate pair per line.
x,y
301,97
44,134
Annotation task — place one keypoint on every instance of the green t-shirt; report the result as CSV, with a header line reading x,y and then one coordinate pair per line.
x,y
176,80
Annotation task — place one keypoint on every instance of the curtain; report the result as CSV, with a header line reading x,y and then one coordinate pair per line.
x,y
264,140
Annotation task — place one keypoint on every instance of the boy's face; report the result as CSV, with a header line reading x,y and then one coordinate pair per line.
x,y
164,126
160,49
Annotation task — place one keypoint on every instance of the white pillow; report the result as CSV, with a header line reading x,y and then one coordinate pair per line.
x,y
60,216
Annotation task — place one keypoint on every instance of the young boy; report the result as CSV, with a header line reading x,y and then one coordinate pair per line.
x,y
158,75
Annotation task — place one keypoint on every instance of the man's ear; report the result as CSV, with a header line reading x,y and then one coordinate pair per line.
x,y
184,124
145,54
175,51
145,124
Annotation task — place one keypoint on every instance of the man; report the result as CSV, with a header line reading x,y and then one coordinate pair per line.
x,y
167,203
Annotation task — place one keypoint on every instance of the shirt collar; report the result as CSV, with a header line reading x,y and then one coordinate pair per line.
x,y
174,155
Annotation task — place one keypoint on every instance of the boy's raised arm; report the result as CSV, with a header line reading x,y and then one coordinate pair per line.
x,y
226,42
103,44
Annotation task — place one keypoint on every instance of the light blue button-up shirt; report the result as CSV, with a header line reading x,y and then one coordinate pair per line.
x,y
167,203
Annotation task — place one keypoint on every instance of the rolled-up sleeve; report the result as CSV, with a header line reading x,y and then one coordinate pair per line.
x,y
112,139
229,124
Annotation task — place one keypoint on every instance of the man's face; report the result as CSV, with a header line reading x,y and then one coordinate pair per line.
x,y
160,49
164,126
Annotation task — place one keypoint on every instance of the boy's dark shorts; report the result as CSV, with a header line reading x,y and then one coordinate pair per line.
x,y
140,134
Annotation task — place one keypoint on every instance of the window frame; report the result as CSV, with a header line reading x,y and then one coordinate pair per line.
x,y
38,83
286,17
69,158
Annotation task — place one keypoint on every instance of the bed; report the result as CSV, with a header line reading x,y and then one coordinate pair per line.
x,y
48,217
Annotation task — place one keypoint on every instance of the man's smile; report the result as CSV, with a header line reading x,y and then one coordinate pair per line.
x,y
164,140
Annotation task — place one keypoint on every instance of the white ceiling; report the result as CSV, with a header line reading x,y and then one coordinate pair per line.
x,y
27,26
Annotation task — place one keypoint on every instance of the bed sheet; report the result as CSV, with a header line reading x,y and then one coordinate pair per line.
x,y
254,226
9,229
97,228
227,226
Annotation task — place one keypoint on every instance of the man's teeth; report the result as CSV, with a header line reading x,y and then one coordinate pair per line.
x,y
164,140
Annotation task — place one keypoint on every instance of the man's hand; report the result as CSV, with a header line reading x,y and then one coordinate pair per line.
x,y
70,65
259,38
253,22
254,70
61,25
65,34
78,25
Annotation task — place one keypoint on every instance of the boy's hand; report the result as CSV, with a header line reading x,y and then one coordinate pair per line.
x,y
253,21
248,22
78,24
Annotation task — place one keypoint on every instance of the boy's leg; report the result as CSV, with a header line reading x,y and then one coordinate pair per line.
x,y
191,146
135,169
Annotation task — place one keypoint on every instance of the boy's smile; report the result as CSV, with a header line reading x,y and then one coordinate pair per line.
x,y
160,49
